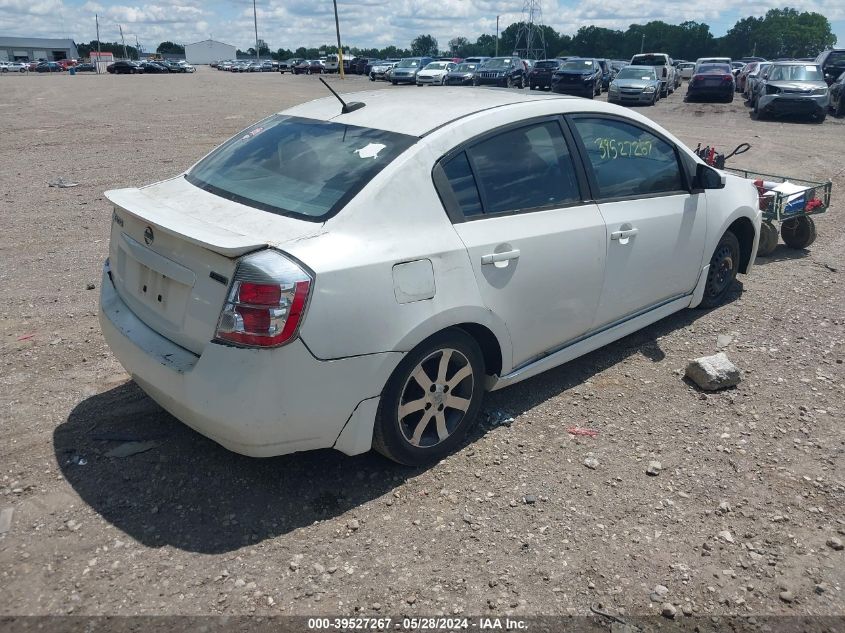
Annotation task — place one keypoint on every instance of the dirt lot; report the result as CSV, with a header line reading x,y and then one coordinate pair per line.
x,y
746,516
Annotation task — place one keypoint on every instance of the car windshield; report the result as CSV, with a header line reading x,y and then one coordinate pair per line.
x,y
577,64
297,166
547,64
631,72
463,68
713,68
649,60
797,72
498,62
408,63
436,66
836,58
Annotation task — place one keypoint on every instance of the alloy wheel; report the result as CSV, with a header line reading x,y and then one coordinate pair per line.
x,y
435,397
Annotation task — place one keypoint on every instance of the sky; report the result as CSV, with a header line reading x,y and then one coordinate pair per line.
x,y
364,23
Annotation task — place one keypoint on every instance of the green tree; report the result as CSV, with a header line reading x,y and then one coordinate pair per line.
x,y
424,45
780,33
115,48
170,48
459,46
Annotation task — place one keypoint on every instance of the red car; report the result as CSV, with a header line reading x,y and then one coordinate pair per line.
x,y
712,80
742,77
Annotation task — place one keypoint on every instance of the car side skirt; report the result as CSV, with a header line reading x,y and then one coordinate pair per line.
x,y
594,341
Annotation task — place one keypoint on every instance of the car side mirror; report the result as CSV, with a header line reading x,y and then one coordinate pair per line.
x,y
708,178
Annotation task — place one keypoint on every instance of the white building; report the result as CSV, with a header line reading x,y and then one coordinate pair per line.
x,y
208,51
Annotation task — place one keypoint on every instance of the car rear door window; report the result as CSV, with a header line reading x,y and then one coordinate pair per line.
x,y
460,177
626,160
524,168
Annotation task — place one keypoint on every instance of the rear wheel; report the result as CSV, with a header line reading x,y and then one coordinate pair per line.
x,y
798,232
724,266
431,401
768,239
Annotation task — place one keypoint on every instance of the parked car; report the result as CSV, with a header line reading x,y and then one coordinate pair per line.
x,y
308,67
684,69
837,96
792,88
606,73
476,60
712,81
152,68
516,264
381,70
541,74
49,67
405,71
753,79
14,67
287,65
461,74
508,72
579,76
635,85
663,66
86,67
832,63
714,60
736,68
186,67
434,73
742,77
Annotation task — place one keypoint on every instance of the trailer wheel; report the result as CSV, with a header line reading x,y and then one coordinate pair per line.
x,y
768,239
798,232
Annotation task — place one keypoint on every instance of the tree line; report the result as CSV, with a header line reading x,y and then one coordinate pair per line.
x,y
780,33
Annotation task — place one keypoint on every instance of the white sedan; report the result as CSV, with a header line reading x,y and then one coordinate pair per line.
x,y
13,67
358,276
434,73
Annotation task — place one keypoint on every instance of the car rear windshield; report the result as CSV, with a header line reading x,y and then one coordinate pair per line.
x,y
497,62
577,64
796,72
649,60
295,166
836,58
713,68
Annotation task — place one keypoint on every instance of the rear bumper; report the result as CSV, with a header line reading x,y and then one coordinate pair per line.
x,y
254,402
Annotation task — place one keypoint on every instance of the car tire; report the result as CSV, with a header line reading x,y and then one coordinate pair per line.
x,y
393,81
758,113
840,108
821,117
655,98
768,239
414,424
532,87
724,266
798,233
522,83
730,98
509,82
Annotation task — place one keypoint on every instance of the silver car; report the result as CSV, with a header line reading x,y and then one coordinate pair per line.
x,y
635,84
792,88
380,71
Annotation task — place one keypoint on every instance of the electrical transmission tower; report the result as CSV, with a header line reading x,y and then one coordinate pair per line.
x,y
530,40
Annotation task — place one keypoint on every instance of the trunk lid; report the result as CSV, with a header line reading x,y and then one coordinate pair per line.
x,y
174,249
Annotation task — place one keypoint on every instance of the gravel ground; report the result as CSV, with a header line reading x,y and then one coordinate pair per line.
x,y
744,517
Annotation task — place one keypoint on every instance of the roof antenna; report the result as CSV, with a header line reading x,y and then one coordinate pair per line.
x,y
347,107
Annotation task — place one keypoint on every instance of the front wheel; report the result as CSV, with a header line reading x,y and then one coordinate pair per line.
x,y
431,401
509,82
798,232
724,266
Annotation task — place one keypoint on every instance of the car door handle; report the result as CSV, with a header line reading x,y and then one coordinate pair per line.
x,y
500,257
621,235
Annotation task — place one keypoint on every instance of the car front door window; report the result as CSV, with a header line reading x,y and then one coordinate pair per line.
x,y
627,161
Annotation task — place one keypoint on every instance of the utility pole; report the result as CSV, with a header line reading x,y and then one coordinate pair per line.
x,y
122,39
642,44
497,37
97,22
339,48
138,47
255,19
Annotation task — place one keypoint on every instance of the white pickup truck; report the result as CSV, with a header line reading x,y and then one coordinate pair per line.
x,y
662,64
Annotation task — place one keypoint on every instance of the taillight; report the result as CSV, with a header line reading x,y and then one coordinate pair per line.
x,y
266,302
727,78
